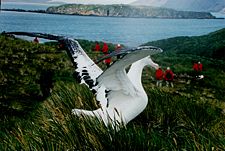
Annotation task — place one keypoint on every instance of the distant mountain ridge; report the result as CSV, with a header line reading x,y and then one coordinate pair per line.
x,y
186,5
125,11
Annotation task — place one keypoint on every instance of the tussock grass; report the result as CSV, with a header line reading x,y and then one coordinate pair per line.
x,y
169,122
181,118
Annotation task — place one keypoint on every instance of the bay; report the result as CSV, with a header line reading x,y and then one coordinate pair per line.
x,y
129,31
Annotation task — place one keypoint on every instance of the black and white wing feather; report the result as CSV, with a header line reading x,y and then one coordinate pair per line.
x,y
86,71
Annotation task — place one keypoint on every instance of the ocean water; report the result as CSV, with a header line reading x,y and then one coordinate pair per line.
x,y
129,31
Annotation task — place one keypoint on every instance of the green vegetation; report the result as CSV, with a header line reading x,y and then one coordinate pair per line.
x,y
181,52
27,67
170,122
22,64
186,117
125,11
211,45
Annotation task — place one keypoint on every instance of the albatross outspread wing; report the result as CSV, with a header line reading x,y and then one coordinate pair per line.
x,y
86,71
115,77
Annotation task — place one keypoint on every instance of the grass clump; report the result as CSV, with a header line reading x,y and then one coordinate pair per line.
x,y
168,123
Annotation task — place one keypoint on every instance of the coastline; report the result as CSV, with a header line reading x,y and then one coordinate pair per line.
x,y
45,12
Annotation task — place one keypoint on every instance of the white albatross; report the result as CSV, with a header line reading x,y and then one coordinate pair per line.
x,y
121,94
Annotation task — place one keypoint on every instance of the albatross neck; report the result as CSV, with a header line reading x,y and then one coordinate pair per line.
x,y
135,74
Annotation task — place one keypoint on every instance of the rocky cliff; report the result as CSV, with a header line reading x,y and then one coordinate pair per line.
x,y
125,11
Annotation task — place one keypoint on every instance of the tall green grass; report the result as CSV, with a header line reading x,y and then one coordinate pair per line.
x,y
170,122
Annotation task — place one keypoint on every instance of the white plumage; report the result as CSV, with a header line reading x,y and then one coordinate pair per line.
x,y
124,92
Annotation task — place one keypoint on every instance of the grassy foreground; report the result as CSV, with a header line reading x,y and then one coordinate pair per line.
x,y
180,118
169,122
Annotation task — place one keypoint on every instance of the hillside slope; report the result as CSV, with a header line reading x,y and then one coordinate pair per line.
x,y
24,64
190,116
211,45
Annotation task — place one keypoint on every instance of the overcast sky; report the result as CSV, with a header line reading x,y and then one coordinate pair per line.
x,y
96,1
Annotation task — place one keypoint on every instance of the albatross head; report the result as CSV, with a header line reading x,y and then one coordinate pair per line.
x,y
147,61
150,50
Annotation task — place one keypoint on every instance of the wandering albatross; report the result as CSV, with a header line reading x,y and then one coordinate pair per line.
x,y
121,94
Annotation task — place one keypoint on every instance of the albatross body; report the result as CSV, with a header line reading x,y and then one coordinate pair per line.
x,y
121,94
122,106
126,97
